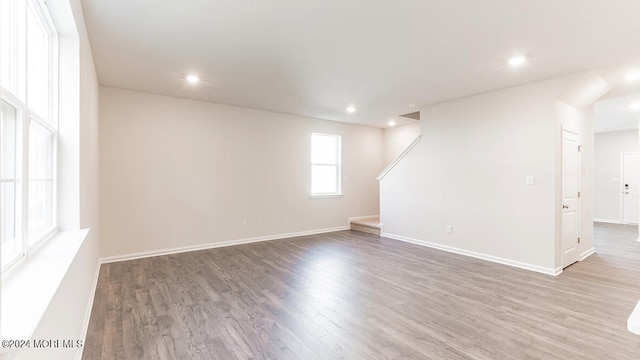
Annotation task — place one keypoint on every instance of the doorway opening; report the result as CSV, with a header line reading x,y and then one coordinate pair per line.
x,y
616,168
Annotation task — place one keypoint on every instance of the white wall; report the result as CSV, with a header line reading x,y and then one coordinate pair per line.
x,y
397,138
177,173
67,314
469,171
606,171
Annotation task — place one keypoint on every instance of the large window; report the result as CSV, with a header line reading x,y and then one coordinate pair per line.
x,y
28,131
325,165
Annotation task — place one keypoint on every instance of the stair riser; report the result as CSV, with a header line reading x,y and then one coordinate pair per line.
x,y
365,229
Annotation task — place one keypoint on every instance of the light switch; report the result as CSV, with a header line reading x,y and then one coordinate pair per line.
x,y
531,180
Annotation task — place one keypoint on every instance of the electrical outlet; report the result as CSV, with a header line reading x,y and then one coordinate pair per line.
x,y
245,223
450,229
259,221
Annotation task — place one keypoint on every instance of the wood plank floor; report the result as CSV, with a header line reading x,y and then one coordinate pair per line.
x,y
351,295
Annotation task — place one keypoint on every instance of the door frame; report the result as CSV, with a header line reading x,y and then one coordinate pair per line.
x,y
579,210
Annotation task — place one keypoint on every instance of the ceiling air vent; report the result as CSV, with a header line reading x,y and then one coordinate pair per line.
x,y
414,115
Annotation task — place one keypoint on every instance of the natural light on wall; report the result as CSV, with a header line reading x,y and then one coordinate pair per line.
x,y
28,131
325,164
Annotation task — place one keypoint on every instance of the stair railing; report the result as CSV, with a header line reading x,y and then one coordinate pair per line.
x,y
398,158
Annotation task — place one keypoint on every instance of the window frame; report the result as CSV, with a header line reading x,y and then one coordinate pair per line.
x,y
337,164
25,116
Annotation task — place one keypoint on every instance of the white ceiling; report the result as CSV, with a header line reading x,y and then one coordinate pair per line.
x,y
616,114
315,57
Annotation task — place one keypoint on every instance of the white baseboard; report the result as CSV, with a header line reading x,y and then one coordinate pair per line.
x,y
608,221
182,249
587,253
481,256
87,314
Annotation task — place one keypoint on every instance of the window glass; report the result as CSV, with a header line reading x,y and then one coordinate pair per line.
x,y
324,179
325,164
8,183
324,149
13,46
8,134
40,180
38,41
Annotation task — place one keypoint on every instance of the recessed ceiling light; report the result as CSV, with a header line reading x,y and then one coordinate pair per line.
x,y
635,106
193,79
351,109
633,76
517,60
392,123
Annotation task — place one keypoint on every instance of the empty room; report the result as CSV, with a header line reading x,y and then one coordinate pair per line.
x,y
209,179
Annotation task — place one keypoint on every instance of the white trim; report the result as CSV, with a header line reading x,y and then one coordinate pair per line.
x,y
607,221
398,158
481,256
182,249
87,311
587,253
621,189
633,322
326,196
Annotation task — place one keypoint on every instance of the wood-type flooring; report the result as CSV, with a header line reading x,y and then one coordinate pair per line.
x,y
351,295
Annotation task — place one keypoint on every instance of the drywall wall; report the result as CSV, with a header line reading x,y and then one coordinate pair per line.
x,y
67,315
397,138
606,172
470,172
176,173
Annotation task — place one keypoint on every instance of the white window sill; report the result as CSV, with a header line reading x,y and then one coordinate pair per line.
x,y
327,196
28,287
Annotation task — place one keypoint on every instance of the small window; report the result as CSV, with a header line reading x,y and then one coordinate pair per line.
x,y
325,164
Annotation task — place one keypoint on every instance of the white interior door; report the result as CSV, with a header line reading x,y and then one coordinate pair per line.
x,y
630,188
570,197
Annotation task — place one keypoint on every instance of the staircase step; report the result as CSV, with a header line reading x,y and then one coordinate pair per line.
x,y
370,225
